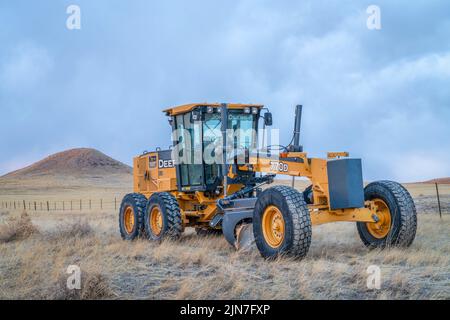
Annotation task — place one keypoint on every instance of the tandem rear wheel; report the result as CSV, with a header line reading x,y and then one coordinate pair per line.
x,y
162,218
131,216
156,219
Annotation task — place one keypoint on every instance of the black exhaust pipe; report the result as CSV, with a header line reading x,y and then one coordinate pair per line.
x,y
295,146
224,125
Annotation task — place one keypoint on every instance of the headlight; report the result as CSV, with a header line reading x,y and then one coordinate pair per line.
x,y
255,110
247,110
210,109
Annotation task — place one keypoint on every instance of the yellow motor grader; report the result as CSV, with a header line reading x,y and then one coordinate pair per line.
x,y
212,179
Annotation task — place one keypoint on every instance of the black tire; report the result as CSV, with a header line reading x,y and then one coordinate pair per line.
x,y
297,222
308,195
205,232
403,215
172,224
137,202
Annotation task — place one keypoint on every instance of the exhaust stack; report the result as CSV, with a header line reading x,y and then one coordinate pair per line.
x,y
295,146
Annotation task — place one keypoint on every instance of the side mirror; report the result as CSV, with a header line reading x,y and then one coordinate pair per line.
x,y
268,119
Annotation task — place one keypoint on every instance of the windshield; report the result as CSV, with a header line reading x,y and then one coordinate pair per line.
x,y
243,126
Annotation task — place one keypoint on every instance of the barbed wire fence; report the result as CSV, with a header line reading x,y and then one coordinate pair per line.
x,y
429,204
62,205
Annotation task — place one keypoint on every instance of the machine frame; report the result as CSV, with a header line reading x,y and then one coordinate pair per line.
x,y
157,172
180,187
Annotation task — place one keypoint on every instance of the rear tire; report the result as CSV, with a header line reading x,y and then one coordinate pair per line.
x,y
402,220
168,224
131,216
283,210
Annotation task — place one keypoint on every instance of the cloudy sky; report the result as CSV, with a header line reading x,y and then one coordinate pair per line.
x,y
383,95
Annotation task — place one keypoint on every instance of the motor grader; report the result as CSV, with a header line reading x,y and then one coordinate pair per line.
x,y
182,187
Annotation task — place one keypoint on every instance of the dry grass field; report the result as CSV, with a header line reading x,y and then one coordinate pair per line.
x,y
36,247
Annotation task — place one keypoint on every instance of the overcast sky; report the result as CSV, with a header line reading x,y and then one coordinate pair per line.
x,y
383,95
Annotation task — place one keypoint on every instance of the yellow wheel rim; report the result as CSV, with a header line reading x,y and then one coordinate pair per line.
x,y
128,218
156,221
273,226
381,228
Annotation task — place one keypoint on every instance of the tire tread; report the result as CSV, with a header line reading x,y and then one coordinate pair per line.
x,y
140,202
301,221
407,214
171,209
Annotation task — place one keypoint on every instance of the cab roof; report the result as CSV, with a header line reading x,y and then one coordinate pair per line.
x,y
189,107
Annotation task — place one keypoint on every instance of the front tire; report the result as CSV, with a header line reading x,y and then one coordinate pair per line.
x,y
282,223
162,217
397,215
131,216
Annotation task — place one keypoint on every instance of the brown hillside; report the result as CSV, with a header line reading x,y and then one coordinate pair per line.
x,y
439,180
81,161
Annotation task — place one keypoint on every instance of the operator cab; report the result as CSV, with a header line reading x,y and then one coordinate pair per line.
x,y
197,134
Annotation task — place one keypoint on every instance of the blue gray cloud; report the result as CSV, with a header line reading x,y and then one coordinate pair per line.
x,y
381,95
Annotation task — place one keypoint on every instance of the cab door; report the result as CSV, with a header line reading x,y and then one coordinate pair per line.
x,y
188,136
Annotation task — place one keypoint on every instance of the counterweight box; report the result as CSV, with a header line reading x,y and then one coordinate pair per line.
x,y
345,183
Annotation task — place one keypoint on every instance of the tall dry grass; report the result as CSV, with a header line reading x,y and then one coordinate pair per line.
x,y
35,251
17,228
34,266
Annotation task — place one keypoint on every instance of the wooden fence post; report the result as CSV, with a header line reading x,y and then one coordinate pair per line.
x,y
80,204
63,205
24,206
48,206
439,200
35,206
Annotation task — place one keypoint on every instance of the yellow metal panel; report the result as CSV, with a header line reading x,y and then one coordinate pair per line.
x,y
324,216
149,178
140,165
332,155
189,107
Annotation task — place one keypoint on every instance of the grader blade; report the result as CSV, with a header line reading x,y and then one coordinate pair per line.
x,y
245,241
